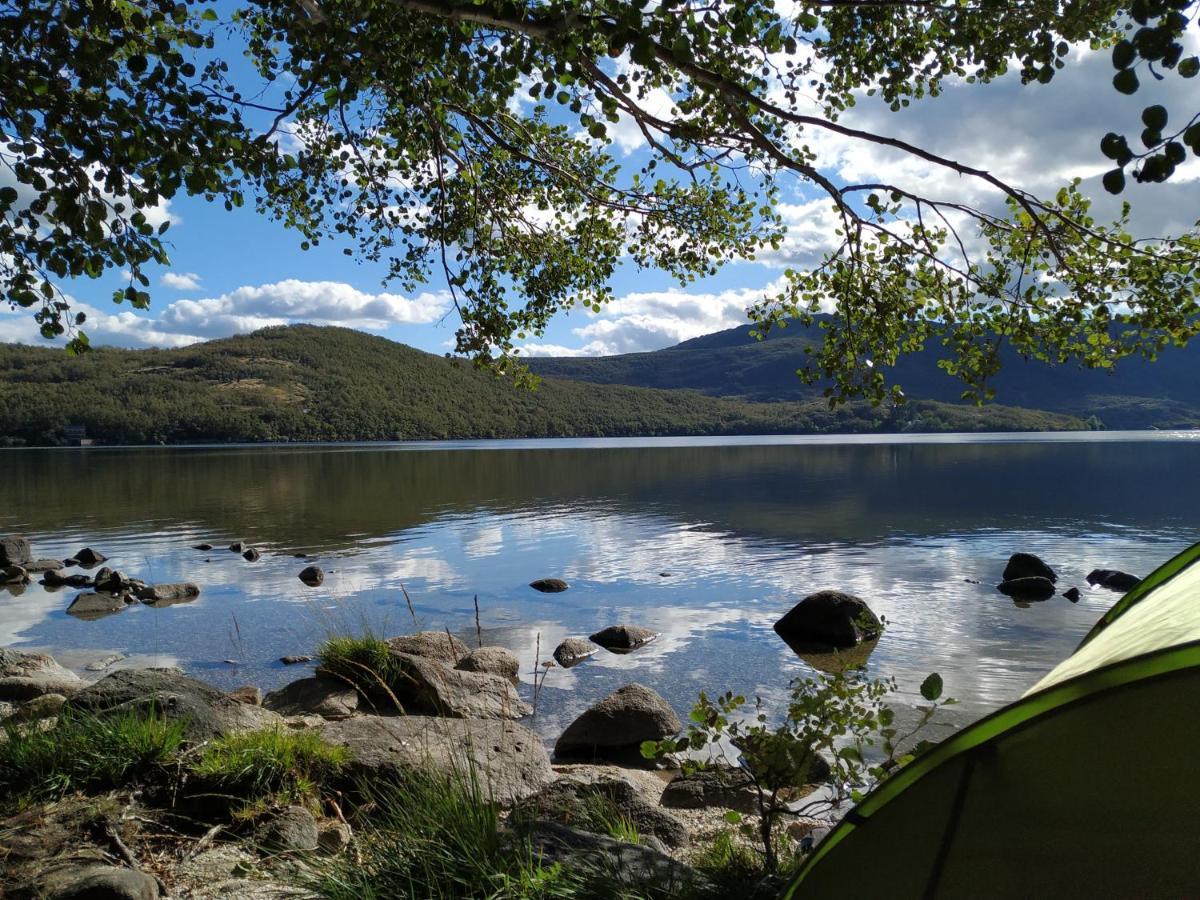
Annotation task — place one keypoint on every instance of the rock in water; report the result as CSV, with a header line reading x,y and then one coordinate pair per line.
x,y
15,550
549,585
615,727
251,555
1026,565
38,566
205,547
828,620
313,576
573,651
623,638
87,557
237,547
93,606
294,660
24,676
14,575
1072,594
431,644
508,758
492,661
167,594
59,578
1033,587
1113,579
326,697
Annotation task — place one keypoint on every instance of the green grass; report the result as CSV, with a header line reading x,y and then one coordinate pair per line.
x,y
83,751
273,765
602,816
365,662
735,869
435,837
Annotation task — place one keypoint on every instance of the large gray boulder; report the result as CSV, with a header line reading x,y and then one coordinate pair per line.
x,y
24,676
623,638
828,620
431,644
429,687
1026,565
206,711
499,661
327,697
15,550
615,727
508,758
583,804
630,865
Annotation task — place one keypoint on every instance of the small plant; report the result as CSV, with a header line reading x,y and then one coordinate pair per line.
x,y
84,751
272,765
366,663
603,816
837,716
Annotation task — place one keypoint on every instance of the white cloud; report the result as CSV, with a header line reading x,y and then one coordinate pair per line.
x,y
181,281
245,309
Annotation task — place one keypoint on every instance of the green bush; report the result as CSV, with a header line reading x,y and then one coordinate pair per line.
x,y
83,751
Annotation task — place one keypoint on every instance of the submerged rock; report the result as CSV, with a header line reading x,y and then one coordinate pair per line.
x,y
828,620
1113,579
313,576
96,605
508,758
432,645
1033,587
573,651
623,638
615,727
15,550
204,547
24,676
498,661
1026,565
549,585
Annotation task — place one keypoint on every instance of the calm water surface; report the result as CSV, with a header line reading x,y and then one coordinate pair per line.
x,y
744,528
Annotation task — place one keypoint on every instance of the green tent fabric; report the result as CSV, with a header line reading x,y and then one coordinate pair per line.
x,y
1086,787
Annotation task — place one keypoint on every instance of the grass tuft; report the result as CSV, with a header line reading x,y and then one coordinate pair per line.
x,y
365,662
273,765
84,751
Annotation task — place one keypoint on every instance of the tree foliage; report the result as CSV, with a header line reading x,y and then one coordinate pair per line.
x,y
471,140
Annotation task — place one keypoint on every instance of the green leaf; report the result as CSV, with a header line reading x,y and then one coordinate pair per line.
x,y
733,817
1123,55
1126,81
931,687
1189,67
1114,181
1155,117
649,749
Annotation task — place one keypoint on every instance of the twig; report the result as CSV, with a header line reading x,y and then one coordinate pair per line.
x,y
407,599
450,643
204,843
478,630
124,852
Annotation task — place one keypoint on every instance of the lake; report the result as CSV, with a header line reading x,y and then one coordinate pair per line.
x,y
707,541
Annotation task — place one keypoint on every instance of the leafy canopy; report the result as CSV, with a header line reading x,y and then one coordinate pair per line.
x,y
471,140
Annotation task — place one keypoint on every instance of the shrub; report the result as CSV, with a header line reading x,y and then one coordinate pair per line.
x,y
273,765
84,751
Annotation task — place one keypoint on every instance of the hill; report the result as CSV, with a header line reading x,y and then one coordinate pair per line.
x,y
307,383
1139,394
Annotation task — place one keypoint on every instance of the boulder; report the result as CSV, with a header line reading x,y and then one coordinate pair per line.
x,y
508,758
498,661
251,555
573,651
206,711
14,575
291,829
1113,579
623,638
428,687
615,727
43,707
317,696
828,620
38,566
1026,565
168,594
249,694
334,837
59,578
24,676
1072,594
589,804
630,865
110,581
549,585
87,557
431,644
98,882
313,576
15,550
1033,587
237,547
96,605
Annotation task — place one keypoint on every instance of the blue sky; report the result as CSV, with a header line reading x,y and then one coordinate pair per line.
x,y
233,272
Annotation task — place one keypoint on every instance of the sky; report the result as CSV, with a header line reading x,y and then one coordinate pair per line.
x,y
233,272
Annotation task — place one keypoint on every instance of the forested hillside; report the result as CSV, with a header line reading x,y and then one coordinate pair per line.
x,y
307,383
1138,394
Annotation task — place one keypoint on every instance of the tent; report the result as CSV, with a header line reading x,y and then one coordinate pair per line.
x,y
1088,786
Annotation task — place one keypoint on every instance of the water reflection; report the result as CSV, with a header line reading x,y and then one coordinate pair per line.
x,y
744,530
